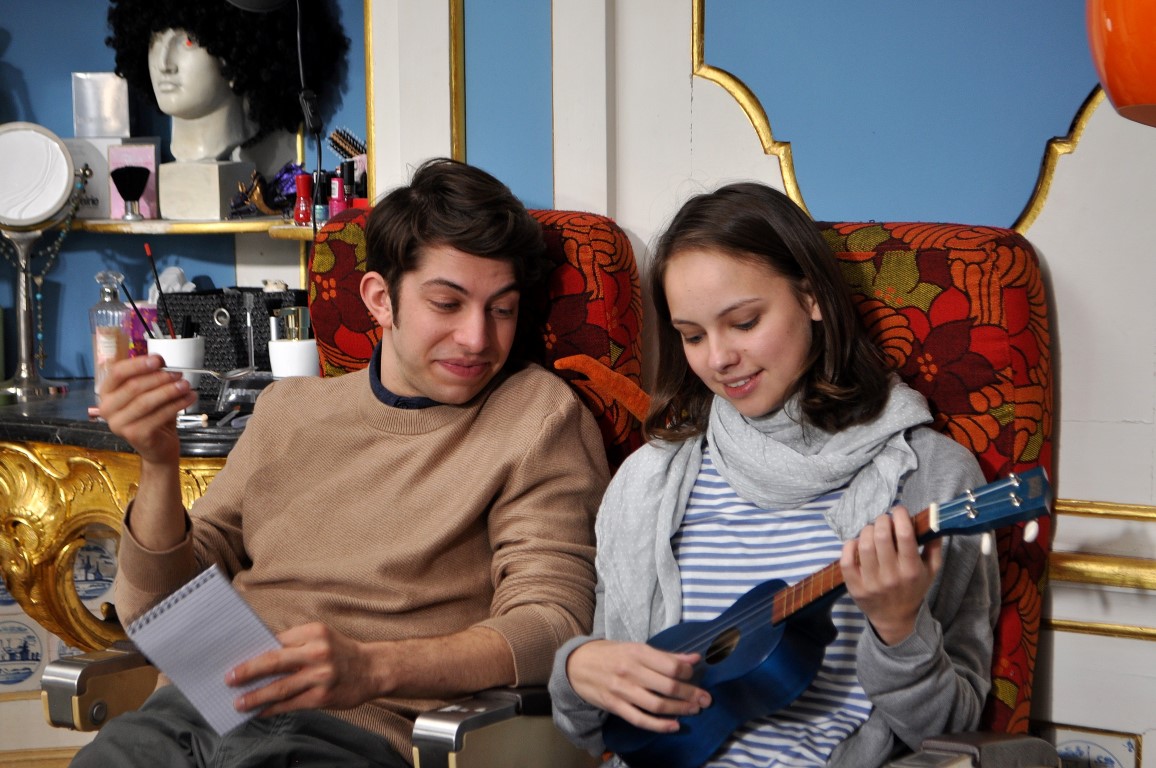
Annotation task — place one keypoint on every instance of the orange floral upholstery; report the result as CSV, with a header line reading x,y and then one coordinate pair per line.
x,y
960,311
594,308
962,314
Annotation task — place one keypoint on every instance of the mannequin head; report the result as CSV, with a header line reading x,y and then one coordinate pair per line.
x,y
186,79
213,44
188,84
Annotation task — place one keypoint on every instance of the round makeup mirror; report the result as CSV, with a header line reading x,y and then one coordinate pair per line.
x,y
35,176
37,180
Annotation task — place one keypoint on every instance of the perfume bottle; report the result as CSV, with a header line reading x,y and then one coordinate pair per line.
x,y
108,318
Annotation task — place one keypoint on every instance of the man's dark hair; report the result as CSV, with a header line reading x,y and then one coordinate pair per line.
x,y
451,203
258,51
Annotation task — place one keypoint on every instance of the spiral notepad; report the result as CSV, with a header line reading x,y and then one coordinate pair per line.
x,y
196,635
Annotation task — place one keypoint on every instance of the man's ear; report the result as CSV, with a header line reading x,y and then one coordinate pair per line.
x,y
375,294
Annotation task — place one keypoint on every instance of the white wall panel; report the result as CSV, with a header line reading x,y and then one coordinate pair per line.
x,y
583,105
410,109
1094,234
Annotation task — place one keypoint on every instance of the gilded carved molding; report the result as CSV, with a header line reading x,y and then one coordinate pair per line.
x,y
746,99
1055,149
757,114
51,498
1101,570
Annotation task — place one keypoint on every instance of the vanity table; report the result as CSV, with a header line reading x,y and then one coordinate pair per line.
x,y
64,477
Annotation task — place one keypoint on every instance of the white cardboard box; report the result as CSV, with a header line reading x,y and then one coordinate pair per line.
x,y
99,105
200,191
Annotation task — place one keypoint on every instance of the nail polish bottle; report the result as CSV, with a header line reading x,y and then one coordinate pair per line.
x,y
303,209
321,197
336,195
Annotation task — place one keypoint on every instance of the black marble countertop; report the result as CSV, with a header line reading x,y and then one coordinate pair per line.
x,y
64,420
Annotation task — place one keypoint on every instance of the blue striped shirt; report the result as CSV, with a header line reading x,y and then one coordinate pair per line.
x,y
727,545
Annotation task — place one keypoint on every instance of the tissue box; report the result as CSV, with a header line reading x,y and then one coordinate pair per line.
x,y
144,155
99,105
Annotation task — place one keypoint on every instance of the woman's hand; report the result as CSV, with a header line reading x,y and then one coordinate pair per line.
x,y
644,686
887,576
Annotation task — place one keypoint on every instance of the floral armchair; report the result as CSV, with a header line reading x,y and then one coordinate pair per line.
x,y
962,313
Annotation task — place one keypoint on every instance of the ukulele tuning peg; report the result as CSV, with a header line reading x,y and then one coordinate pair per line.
x,y
1031,531
985,543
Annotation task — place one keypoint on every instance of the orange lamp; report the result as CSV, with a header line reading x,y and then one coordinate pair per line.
x,y
1122,36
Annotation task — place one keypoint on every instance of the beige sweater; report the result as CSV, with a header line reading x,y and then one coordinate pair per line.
x,y
389,523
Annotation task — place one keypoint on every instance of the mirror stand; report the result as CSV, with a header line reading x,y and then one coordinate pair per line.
x,y
26,383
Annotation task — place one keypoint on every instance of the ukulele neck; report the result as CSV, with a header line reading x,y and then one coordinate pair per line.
x,y
810,589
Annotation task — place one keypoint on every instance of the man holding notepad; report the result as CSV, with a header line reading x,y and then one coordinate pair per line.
x,y
410,533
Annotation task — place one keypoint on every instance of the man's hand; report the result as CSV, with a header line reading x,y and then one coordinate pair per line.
x,y
140,402
322,669
644,686
887,576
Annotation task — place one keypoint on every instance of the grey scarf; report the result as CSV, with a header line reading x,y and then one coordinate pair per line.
x,y
773,461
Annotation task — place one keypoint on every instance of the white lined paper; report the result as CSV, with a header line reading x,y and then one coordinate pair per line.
x,y
199,633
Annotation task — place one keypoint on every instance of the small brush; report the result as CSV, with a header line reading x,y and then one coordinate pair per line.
x,y
136,309
160,292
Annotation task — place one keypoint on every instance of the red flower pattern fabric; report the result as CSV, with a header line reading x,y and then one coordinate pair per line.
x,y
962,314
593,307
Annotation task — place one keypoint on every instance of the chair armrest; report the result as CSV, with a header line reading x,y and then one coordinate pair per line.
x,y
83,692
506,727
982,750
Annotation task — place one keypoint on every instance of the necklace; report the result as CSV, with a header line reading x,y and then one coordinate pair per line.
x,y
52,251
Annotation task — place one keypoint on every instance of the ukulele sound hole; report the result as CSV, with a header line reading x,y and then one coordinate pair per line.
x,y
723,646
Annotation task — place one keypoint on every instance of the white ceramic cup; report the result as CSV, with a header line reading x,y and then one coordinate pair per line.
x,y
181,353
293,358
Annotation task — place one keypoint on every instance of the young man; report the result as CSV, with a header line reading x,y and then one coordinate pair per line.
x,y
413,532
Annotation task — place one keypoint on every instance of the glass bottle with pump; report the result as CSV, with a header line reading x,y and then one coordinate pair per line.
x,y
108,318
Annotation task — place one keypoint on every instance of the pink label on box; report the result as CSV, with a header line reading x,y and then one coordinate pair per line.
x,y
145,156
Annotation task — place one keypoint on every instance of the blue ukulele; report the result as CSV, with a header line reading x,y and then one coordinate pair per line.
x,y
761,653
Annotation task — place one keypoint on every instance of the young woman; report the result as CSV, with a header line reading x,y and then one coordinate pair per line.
x,y
780,443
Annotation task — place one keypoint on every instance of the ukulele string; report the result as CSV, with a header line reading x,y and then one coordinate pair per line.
x,y
970,506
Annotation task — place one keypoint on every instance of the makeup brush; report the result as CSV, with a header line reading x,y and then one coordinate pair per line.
x,y
160,292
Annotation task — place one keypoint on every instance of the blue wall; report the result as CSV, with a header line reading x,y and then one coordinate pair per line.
x,y
509,117
37,59
896,109
907,109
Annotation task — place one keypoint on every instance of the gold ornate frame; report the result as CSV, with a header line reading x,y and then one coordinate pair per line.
x,y
1055,149
782,149
457,34
53,497
746,99
1103,570
457,79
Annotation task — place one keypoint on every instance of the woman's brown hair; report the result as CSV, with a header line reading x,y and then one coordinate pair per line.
x,y
845,380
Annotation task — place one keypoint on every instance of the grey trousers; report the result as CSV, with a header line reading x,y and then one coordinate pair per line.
x,y
168,731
